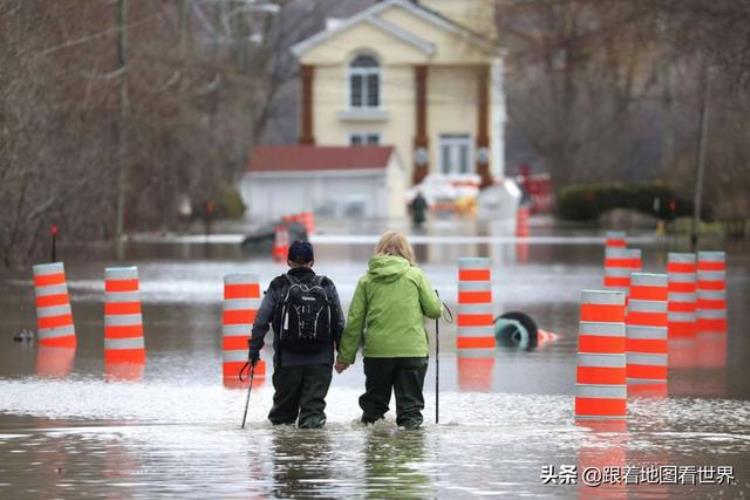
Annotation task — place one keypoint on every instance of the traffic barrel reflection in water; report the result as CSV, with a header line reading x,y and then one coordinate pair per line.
x,y
54,362
241,303
600,374
55,327
476,333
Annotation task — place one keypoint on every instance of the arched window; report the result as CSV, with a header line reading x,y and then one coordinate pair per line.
x,y
364,82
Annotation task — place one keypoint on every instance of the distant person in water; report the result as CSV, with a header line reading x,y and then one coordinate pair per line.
x,y
418,209
307,320
388,310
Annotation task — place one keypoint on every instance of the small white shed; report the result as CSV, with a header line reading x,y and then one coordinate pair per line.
x,y
338,181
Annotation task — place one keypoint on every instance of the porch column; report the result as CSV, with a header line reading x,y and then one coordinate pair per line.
x,y
306,136
483,117
421,155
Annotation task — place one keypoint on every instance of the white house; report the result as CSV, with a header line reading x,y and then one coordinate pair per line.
x,y
366,181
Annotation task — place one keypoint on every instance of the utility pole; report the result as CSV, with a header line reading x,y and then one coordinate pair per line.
x,y
700,167
121,17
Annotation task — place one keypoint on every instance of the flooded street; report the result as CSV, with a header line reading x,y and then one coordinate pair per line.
x,y
69,428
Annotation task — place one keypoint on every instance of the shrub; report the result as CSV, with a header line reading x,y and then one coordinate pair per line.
x,y
585,202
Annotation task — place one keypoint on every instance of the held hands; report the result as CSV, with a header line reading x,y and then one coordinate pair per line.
x,y
340,366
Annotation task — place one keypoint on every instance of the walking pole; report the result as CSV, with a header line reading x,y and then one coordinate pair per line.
x,y
249,390
437,366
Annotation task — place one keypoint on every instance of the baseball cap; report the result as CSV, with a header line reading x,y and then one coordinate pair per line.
x,y
301,252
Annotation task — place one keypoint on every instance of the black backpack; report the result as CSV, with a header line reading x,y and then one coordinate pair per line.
x,y
305,317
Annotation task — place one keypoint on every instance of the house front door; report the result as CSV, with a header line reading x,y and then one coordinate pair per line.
x,y
455,154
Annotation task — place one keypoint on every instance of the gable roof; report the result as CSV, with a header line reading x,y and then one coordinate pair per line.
x,y
370,16
305,158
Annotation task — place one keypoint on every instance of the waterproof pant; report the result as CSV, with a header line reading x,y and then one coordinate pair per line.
x,y
300,392
405,376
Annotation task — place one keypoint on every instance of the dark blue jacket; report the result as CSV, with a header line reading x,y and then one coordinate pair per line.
x,y
269,315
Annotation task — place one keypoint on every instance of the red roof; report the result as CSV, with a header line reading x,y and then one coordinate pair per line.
x,y
306,158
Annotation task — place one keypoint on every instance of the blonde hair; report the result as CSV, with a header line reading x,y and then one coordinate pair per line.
x,y
396,244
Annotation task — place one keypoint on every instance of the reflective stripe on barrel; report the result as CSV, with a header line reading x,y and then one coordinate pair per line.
x,y
711,303
681,272
475,319
123,319
241,303
601,362
55,327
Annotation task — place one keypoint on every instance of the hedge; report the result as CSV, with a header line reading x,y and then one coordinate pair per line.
x,y
585,202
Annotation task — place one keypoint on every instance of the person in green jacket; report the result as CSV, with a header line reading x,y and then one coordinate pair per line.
x,y
387,311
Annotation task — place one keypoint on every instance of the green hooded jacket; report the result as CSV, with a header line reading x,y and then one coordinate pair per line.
x,y
388,310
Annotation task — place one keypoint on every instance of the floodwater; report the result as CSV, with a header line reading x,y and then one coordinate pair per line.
x,y
68,429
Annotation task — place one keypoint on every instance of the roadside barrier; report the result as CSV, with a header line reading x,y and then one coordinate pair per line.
x,y
615,239
681,269
600,374
241,303
55,327
619,263
646,344
476,330
123,319
711,304
475,310
280,243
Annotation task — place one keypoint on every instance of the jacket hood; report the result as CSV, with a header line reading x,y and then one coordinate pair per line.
x,y
387,268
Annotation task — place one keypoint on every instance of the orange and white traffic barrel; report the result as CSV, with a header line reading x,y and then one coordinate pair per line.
x,y
280,243
241,304
308,220
600,374
475,321
522,221
619,263
615,239
55,326
476,330
123,318
681,269
646,344
711,304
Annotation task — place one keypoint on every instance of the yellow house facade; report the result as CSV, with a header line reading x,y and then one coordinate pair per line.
x,y
424,76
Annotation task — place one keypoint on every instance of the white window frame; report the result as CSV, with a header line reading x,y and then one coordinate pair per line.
x,y
454,141
364,136
364,72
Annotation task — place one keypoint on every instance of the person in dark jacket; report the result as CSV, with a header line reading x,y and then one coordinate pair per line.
x,y
301,380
